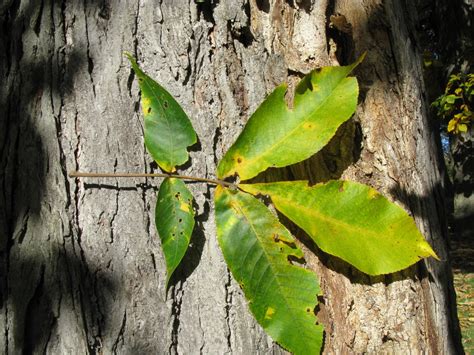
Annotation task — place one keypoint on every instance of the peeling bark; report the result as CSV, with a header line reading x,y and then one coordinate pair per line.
x,y
80,262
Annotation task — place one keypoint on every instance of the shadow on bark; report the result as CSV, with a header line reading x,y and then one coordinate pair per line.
x,y
193,255
40,279
428,206
35,317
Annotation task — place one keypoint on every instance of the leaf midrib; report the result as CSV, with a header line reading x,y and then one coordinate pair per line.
x,y
275,273
174,210
317,214
297,127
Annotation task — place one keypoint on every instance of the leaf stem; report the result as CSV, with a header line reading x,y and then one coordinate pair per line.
x,y
78,174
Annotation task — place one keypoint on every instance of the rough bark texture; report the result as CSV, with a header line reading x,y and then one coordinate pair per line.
x,y
81,267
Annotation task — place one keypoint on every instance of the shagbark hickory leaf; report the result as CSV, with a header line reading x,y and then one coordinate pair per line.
x,y
168,130
258,250
277,136
174,219
351,221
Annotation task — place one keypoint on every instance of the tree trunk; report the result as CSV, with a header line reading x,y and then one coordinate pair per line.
x,y
81,267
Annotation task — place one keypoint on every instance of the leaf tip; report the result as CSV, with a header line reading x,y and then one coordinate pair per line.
x,y
131,58
133,62
427,250
361,58
433,254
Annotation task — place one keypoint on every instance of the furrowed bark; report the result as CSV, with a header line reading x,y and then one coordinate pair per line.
x,y
80,263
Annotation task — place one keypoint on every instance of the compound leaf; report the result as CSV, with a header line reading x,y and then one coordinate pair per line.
x,y
259,253
174,219
168,130
277,136
351,221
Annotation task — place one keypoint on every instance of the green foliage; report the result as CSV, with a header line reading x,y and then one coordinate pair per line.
x,y
168,131
456,105
258,250
323,100
346,219
351,221
174,218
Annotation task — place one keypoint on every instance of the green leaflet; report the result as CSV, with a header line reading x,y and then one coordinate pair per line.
x,y
174,218
258,249
168,131
351,221
277,136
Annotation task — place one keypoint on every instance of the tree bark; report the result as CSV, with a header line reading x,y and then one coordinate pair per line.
x,y
81,267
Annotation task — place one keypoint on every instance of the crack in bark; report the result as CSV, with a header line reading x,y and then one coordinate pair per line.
x,y
90,61
216,141
62,154
20,235
393,56
29,340
135,31
100,320
153,261
146,206
90,345
54,321
206,9
120,334
115,212
77,190
197,64
189,70
202,330
37,25
228,301
69,207
9,155
176,313
77,202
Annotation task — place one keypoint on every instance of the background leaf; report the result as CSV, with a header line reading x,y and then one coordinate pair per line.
x,y
258,249
168,130
352,221
174,218
276,136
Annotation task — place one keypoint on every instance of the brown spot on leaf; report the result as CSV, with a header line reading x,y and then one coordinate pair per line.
x,y
165,104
